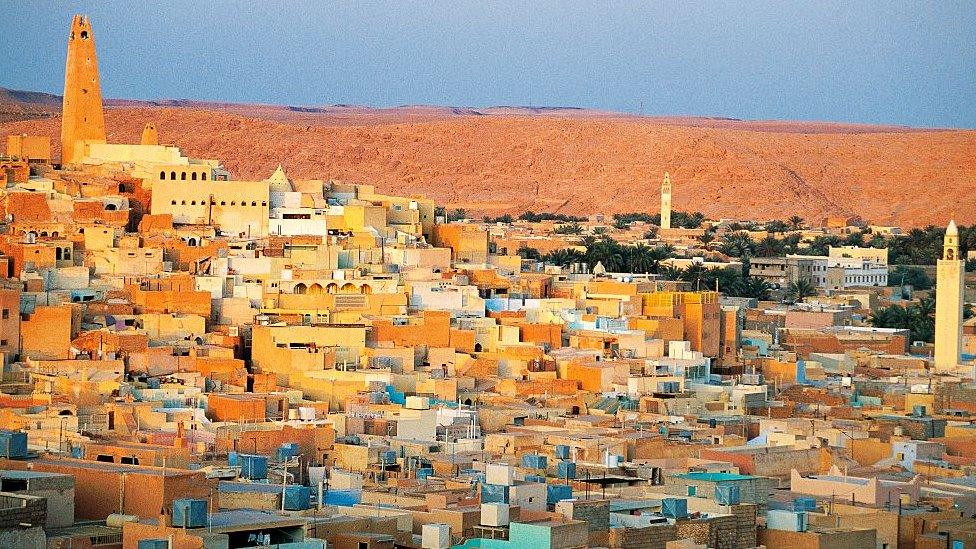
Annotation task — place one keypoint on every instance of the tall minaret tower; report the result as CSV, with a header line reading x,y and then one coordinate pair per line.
x,y
949,292
666,202
82,120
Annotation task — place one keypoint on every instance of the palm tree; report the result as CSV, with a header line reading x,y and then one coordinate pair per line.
x,y
799,290
737,244
526,252
640,259
696,275
791,243
670,272
564,257
769,247
569,228
796,222
883,317
707,238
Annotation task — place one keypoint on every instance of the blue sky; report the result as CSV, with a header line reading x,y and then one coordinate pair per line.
x,y
911,63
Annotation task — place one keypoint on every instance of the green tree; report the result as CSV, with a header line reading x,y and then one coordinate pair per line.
x,y
526,252
916,277
569,228
799,290
770,246
737,244
564,257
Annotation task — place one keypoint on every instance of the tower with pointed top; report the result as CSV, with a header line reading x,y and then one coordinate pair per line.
x,y
666,201
150,135
82,120
949,293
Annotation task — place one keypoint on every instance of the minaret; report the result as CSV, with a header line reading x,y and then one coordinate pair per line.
x,y
82,120
949,292
150,136
666,202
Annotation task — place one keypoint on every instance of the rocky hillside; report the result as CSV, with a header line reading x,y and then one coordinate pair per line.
x,y
499,160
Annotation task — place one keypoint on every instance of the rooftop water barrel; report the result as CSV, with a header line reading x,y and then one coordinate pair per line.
x,y
189,513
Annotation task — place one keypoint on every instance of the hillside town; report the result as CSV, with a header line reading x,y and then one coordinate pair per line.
x,y
196,361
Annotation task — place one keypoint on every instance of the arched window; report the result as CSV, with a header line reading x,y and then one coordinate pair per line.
x,y
300,288
193,176
348,288
182,202
192,241
365,289
172,202
204,174
315,289
332,287
193,202
477,347
162,175
172,175
254,203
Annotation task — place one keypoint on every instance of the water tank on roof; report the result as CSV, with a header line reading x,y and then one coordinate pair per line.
x,y
675,508
727,494
189,513
297,498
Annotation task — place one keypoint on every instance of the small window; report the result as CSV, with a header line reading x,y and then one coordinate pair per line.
x,y
172,175
204,175
105,458
692,491
193,176
193,202
223,203
13,484
3,342
162,175
129,460
183,176
172,202
5,314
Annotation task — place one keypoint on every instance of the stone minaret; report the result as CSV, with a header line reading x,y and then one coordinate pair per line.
x,y
949,293
82,120
666,202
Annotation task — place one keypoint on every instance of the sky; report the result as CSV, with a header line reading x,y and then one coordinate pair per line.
x,y
891,62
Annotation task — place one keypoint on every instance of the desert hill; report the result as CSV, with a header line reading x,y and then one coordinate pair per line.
x,y
510,159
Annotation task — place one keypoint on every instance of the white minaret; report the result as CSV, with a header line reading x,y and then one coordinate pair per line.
x,y
666,202
949,293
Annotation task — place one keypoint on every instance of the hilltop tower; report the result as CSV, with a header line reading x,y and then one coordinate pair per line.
x,y
666,202
949,292
82,120
150,136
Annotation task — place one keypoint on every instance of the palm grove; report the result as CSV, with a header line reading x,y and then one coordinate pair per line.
x,y
906,253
